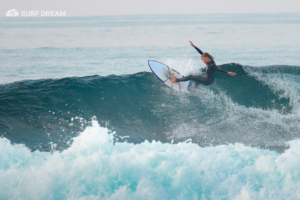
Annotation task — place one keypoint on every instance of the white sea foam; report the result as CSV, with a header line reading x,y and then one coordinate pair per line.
x,y
95,168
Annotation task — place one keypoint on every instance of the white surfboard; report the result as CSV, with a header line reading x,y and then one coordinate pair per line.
x,y
163,73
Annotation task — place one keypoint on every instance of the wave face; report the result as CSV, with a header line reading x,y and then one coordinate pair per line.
x,y
96,168
258,107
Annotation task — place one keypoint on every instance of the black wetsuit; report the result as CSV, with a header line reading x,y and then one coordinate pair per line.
x,y
210,73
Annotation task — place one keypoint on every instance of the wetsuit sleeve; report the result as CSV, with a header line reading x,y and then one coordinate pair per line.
x,y
219,69
198,50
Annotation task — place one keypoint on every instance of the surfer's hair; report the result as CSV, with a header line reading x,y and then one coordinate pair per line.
x,y
207,55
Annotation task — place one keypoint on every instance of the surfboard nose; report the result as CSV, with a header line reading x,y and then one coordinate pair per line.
x,y
162,72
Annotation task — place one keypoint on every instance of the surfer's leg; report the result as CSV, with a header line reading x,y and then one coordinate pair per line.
x,y
198,79
191,78
187,78
173,79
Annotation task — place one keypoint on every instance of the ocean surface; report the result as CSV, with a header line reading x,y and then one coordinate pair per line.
x,y
82,116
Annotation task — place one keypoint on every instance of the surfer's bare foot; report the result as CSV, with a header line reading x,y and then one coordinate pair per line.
x,y
173,79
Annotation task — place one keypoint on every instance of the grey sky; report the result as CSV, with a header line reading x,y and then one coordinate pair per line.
x,y
125,7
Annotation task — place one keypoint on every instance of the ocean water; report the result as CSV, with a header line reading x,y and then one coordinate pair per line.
x,y
82,116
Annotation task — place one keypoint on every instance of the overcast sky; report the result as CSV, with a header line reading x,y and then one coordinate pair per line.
x,y
125,7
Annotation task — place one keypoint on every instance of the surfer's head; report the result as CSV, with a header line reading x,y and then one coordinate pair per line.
x,y
206,57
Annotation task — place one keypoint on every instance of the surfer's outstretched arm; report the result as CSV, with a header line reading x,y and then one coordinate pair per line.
x,y
196,48
224,71
221,70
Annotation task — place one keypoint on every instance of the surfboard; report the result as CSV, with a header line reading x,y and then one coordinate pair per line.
x,y
163,73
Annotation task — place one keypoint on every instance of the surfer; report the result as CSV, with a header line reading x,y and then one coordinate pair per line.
x,y
210,70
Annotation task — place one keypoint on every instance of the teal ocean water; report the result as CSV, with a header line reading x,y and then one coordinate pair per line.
x,y
82,116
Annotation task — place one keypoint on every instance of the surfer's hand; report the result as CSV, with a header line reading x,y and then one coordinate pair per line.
x,y
192,44
231,73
